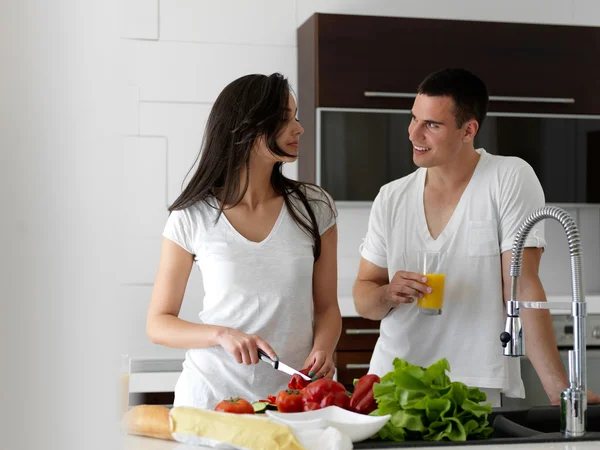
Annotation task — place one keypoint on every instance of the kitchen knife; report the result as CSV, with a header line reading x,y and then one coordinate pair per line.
x,y
278,365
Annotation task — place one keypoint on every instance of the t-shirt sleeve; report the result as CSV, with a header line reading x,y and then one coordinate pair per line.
x,y
521,195
374,246
323,208
179,229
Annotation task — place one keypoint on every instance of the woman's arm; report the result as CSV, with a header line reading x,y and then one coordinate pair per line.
x,y
327,317
164,327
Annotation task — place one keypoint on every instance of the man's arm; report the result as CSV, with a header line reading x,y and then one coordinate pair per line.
x,y
375,295
540,344
368,291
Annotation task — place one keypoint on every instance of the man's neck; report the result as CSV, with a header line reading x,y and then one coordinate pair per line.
x,y
455,174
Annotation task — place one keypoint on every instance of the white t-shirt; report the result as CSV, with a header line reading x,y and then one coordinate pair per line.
x,y
502,192
262,288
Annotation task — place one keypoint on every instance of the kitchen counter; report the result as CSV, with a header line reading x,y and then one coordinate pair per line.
x,y
142,443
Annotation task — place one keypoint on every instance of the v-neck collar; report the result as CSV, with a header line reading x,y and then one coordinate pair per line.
x,y
437,244
248,241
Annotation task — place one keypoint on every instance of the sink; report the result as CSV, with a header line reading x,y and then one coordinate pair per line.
x,y
513,426
541,419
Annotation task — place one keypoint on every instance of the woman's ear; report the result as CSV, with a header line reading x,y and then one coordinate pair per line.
x,y
260,141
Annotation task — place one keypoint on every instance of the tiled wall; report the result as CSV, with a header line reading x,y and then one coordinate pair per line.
x,y
181,53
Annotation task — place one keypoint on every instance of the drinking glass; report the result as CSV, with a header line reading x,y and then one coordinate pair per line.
x,y
431,265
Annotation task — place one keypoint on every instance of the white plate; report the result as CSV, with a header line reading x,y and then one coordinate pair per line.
x,y
357,426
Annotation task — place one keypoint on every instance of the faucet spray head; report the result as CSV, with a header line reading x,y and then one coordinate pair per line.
x,y
512,337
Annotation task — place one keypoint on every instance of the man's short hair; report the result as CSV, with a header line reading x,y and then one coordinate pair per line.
x,y
468,91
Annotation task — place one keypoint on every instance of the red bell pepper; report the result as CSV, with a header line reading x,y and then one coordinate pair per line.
x,y
324,392
362,400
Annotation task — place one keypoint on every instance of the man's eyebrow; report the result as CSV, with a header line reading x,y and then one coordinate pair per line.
x,y
427,120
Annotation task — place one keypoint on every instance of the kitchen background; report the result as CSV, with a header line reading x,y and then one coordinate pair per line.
x,y
183,52
62,233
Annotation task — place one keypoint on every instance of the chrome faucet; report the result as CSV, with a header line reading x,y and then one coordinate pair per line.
x,y
573,400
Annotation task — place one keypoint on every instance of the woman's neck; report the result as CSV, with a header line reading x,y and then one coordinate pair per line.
x,y
259,189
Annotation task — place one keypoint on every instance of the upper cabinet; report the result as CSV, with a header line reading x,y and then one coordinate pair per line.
x,y
358,76
378,62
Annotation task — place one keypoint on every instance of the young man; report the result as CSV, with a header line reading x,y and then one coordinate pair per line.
x,y
468,204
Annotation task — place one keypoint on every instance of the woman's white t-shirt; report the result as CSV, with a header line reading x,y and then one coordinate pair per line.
x,y
262,288
502,192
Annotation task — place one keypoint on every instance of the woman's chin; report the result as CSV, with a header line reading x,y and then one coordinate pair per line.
x,y
289,159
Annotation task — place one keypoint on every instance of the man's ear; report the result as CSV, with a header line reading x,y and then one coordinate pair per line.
x,y
471,128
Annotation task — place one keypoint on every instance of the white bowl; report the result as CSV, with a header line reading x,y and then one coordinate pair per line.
x,y
357,426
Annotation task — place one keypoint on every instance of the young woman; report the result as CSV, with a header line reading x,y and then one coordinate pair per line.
x,y
266,247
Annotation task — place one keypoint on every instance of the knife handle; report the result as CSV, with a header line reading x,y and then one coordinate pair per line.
x,y
266,358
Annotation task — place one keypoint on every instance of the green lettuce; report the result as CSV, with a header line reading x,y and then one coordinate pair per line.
x,y
426,405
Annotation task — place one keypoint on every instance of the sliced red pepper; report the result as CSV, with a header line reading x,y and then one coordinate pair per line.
x,y
297,382
271,399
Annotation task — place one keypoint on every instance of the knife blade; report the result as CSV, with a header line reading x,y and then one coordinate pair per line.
x,y
278,365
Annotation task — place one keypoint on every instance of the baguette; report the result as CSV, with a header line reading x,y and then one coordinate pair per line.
x,y
203,428
148,420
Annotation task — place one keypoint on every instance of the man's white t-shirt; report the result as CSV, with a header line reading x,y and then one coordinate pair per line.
x,y
262,288
502,192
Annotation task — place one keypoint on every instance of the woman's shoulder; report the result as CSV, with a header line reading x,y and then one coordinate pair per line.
x,y
314,193
320,203
198,211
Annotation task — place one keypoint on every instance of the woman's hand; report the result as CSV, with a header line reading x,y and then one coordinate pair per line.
x,y
319,364
243,347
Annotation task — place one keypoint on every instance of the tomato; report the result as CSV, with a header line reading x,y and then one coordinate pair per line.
x,y
235,405
324,392
289,401
297,382
362,400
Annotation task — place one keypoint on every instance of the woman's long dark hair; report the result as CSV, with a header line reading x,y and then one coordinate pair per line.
x,y
250,107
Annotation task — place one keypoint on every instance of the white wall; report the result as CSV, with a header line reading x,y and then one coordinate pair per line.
x,y
183,52
60,165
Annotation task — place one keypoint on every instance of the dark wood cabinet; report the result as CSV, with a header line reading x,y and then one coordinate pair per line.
x,y
528,68
357,54
355,348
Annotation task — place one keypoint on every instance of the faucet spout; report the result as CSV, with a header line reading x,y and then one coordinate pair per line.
x,y
573,399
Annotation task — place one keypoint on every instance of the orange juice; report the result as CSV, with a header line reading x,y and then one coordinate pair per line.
x,y
434,300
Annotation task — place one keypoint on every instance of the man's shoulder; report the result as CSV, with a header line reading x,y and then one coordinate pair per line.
x,y
503,164
509,175
399,187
